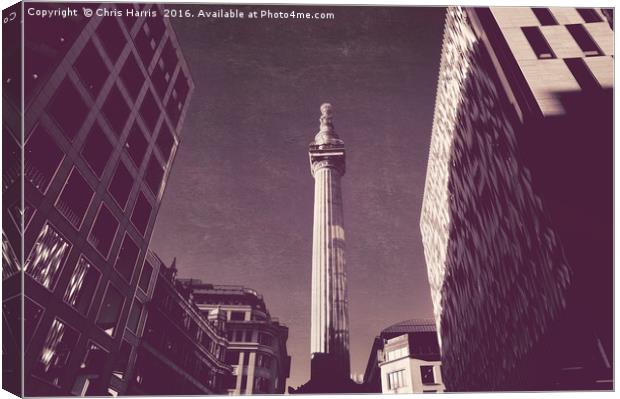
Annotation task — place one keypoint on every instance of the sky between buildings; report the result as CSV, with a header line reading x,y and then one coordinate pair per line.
x,y
239,202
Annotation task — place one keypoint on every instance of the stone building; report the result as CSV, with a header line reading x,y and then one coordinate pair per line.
x,y
517,212
182,350
256,341
106,100
405,358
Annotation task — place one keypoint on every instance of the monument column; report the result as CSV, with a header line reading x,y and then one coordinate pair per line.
x,y
330,321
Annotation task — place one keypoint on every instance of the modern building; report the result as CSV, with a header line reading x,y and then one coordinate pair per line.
x,y
106,100
405,358
517,212
182,350
329,335
256,341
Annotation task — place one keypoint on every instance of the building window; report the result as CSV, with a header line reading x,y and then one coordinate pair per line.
x,y
244,383
103,231
48,254
90,369
32,315
261,385
397,353
428,374
97,149
145,276
121,184
582,74
91,69
141,213
68,109
584,40
396,379
237,316
263,360
110,310
544,16
136,145
75,198
265,339
154,175
165,141
54,356
134,316
127,257
232,357
206,342
589,15
246,358
82,286
42,157
132,76
538,42
115,109
150,112
111,36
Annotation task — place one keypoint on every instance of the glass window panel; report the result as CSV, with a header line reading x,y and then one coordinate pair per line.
x,y
141,213
145,276
82,286
154,175
538,42
150,111
47,257
127,257
91,69
110,310
111,37
121,184
57,348
97,149
122,360
32,315
116,109
74,199
136,145
103,231
68,109
132,76
41,159
134,316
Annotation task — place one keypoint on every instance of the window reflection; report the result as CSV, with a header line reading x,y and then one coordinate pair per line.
x,y
110,310
55,353
46,257
81,286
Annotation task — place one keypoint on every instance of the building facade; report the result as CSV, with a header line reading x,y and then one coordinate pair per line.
x,y
517,212
405,358
106,99
182,351
256,341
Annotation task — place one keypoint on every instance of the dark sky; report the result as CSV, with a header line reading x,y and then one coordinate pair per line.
x,y
238,206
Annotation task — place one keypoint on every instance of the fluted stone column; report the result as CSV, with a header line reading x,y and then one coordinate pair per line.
x,y
330,321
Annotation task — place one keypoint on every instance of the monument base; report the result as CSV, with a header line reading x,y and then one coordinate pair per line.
x,y
327,376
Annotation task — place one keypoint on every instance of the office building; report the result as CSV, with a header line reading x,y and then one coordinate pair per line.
x,y
182,352
257,342
517,212
405,358
105,101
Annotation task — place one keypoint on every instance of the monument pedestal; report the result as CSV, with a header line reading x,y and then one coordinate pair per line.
x,y
327,376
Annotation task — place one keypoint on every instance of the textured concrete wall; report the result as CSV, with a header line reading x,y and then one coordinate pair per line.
x,y
497,272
